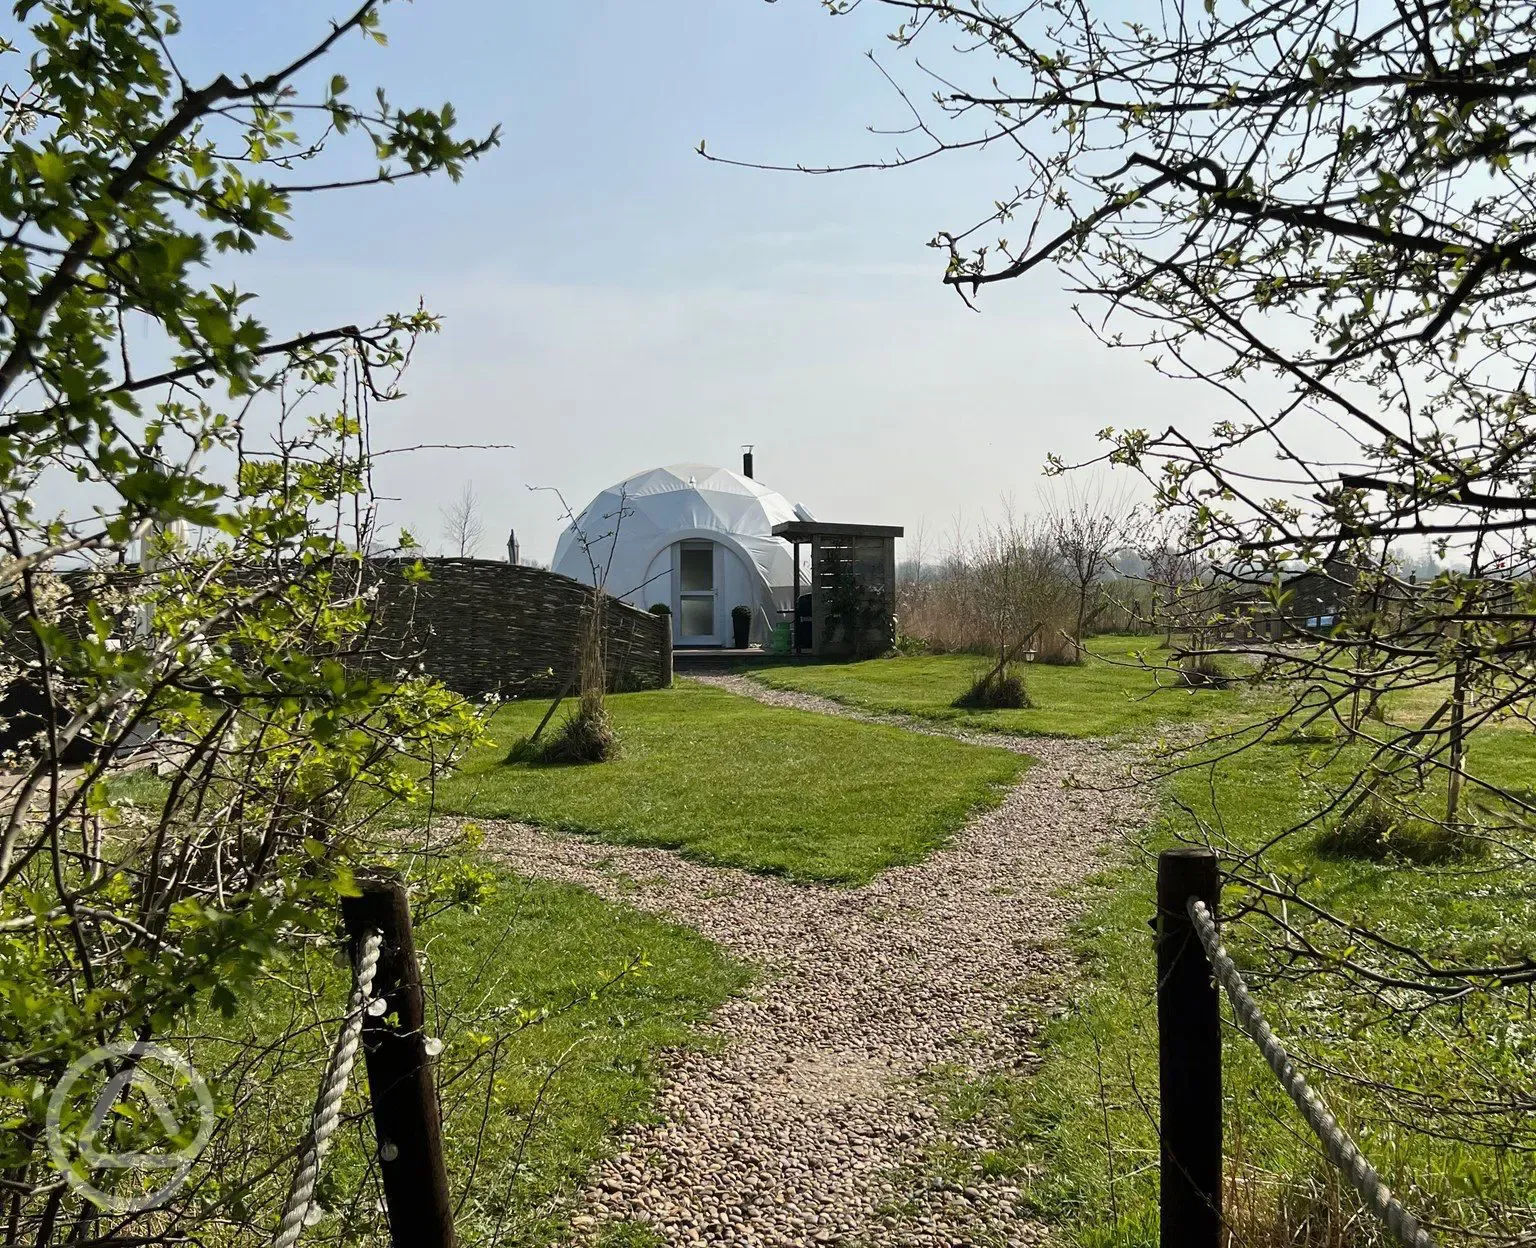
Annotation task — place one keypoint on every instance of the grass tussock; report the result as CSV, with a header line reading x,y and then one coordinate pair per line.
x,y
1378,829
1056,649
995,690
524,750
586,737
1203,671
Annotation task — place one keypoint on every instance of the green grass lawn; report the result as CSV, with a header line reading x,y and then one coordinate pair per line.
x,y
1111,693
1080,1134
589,1067
554,1008
729,781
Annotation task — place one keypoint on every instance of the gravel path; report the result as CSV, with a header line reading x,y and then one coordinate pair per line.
x,y
808,1124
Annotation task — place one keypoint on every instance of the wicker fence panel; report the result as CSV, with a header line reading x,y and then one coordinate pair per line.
x,y
482,626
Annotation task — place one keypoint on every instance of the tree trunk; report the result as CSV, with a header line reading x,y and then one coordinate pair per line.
x,y
1354,698
1457,739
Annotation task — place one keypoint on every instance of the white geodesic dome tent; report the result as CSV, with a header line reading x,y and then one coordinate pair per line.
x,y
695,537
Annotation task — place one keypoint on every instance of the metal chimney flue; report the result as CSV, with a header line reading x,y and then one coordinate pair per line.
x,y
746,462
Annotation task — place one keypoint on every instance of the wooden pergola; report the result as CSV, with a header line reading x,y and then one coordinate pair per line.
x,y
852,586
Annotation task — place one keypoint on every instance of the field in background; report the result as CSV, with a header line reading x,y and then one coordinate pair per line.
x,y
1113,692
728,781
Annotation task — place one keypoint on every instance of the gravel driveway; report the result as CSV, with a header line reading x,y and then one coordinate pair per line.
x,y
807,1124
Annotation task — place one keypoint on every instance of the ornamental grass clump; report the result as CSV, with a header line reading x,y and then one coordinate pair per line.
x,y
997,690
585,737
1202,671
1382,828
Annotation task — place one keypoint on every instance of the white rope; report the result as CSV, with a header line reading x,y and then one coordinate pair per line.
x,y
328,1104
1341,1150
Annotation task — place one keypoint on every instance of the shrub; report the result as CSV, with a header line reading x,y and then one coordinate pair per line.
x,y
661,608
996,690
990,593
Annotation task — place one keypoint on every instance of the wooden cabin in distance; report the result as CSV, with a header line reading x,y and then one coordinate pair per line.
x,y
847,610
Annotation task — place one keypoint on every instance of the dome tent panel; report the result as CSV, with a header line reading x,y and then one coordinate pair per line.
x,y
657,585
636,532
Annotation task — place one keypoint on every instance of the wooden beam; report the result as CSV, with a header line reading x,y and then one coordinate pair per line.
x,y
806,530
1189,1053
794,641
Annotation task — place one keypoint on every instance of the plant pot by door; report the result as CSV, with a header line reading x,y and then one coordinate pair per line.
x,y
741,626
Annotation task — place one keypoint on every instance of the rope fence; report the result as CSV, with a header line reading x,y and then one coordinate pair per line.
x,y
1189,1066
1341,1150
1193,969
327,1112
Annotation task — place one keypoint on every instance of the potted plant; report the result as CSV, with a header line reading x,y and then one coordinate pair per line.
x,y
741,626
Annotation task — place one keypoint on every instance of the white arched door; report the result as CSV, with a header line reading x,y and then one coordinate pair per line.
x,y
696,574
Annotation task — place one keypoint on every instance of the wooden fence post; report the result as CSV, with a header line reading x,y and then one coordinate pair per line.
x,y
400,1081
1188,1054
666,649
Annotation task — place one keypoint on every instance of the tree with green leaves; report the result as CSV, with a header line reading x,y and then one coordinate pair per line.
x,y
1320,212
195,748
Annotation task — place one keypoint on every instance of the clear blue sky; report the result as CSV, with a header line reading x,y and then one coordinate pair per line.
x,y
614,302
